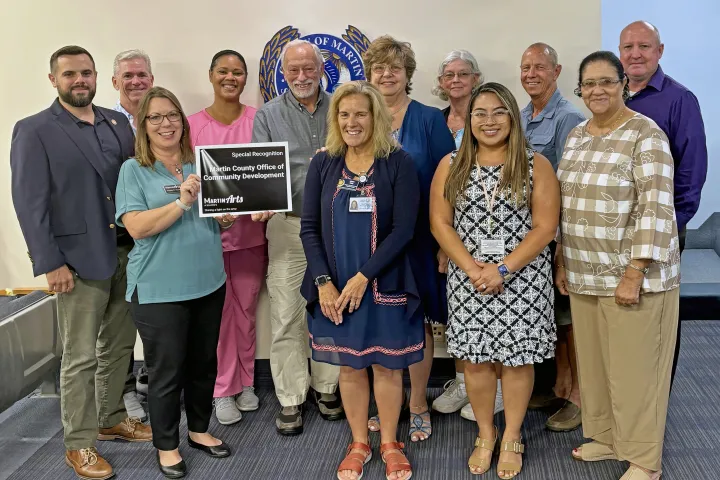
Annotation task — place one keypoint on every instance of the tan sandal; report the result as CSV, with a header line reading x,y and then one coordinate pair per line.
x,y
637,473
594,452
513,467
475,461
355,461
395,461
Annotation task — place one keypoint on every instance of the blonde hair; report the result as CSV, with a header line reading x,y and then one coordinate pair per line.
x,y
387,50
383,142
516,171
143,153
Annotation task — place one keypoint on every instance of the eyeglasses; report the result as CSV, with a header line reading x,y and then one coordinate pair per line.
x,y
449,76
379,69
498,116
294,71
603,83
157,119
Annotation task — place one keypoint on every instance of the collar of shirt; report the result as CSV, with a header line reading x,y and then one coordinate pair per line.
x,y
119,108
98,117
290,98
548,111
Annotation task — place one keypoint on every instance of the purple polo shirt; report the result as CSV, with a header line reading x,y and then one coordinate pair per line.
x,y
677,112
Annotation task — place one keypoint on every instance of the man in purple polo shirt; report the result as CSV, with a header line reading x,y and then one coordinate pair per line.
x,y
676,111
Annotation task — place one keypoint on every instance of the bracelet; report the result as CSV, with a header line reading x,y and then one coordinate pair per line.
x,y
180,204
644,271
559,266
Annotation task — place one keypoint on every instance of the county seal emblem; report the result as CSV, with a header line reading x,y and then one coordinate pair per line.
x,y
343,59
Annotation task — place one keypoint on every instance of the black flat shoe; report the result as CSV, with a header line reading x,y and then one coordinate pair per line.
x,y
174,471
216,451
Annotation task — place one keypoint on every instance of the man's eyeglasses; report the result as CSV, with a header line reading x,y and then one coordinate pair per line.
x,y
157,119
498,116
295,71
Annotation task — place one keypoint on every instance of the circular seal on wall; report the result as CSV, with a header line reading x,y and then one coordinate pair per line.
x,y
342,59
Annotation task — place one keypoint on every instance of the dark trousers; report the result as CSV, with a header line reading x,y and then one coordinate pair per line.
x,y
180,344
681,238
130,378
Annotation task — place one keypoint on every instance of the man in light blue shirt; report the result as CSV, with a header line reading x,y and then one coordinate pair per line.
x,y
547,120
549,117
132,77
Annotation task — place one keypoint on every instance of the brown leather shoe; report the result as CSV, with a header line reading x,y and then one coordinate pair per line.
x,y
131,430
88,464
567,419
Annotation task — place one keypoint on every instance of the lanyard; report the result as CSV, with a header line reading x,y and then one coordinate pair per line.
x,y
490,200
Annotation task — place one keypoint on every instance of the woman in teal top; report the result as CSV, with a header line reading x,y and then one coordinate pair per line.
x,y
176,278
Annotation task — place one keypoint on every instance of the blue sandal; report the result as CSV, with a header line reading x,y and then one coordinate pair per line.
x,y
420,423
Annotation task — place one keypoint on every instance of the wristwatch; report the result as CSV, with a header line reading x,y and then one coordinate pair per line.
x,y
639,269
504,271
322,280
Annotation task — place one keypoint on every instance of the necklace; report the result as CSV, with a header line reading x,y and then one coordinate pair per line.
x,y
178,169
614,125
399,109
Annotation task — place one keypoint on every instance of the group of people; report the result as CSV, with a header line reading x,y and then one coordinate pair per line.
x,y
531,233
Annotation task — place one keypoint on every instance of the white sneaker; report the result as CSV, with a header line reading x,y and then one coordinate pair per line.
x,y
226,411
247,401
133,406
467,411
453,398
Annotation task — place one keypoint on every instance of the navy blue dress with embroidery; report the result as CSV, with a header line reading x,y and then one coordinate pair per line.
x,y
379,332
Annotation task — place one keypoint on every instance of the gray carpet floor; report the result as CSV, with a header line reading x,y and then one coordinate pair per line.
x,y
31,439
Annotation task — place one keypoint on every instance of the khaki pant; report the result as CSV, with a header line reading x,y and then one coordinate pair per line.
x,y
290,345
98,336
624,357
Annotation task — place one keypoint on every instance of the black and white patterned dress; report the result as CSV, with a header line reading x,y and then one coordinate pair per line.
x,y
516,327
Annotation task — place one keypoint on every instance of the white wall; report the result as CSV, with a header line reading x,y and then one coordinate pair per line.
x,y
182,36
687,32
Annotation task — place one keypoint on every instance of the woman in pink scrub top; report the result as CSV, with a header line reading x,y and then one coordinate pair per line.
x,y
227,121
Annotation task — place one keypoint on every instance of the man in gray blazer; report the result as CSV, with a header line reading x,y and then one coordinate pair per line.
x,y
65,163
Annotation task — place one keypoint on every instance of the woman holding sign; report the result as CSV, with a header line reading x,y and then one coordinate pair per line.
x,y
175,278
229,122
494,208
359,213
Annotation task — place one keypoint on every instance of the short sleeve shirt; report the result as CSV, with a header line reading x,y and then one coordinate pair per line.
x,y
180,263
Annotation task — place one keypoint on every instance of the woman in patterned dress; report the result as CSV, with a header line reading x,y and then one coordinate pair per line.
x,y
494,209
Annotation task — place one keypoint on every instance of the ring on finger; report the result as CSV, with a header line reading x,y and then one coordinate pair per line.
x,y
484,287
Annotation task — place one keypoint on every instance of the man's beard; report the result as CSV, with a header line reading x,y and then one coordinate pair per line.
x,y
77,100
302,95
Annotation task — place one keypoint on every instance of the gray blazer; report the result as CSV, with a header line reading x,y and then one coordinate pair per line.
x,y
64,198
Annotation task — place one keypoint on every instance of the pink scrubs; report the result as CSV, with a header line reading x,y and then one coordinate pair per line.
x,y
245,254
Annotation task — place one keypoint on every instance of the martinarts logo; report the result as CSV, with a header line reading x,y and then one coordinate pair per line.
x,y
343,59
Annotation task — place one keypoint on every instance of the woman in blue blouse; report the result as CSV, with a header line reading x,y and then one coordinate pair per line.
x,y
422,132
359,212
175,278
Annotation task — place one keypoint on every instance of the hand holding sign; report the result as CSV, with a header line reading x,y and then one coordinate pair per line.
x,y
189,189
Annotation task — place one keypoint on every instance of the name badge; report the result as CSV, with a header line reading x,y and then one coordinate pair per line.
x,y
172,189
361,204
346,184
492,246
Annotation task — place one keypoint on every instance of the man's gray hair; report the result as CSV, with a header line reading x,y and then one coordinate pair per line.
x,y
466,57
130,55
298,42
548,50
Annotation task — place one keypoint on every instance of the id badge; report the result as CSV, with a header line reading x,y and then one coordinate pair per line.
x,y
492,246
361,204
347,184
172,189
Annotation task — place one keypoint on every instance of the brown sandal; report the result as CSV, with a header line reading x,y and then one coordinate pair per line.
x,y
395,462
355,461
475,460
513,467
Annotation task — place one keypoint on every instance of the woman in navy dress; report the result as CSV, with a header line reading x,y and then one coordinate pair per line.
x,y
422,132
359,213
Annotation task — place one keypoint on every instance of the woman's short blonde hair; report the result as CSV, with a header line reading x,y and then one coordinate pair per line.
x,y
387,50
383,142
143,154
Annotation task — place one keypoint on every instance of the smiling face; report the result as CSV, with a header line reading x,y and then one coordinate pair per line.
x,y
640,51
391,79
490,120
302,72
75,79
355,120
537,73
458,79
228,78
164,124
602,100
132,80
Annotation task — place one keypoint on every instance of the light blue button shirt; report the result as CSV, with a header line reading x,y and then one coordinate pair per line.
x,y
183,262
119,108
548,131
